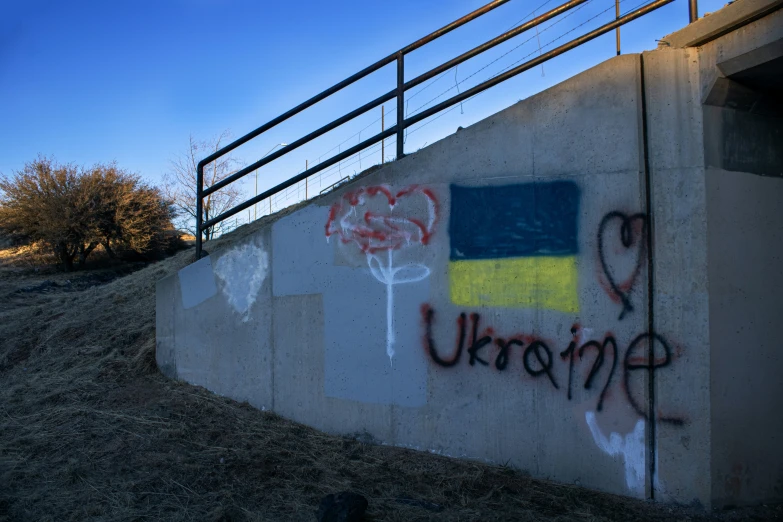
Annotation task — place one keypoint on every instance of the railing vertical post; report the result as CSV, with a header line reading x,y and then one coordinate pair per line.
x,y
693,10
616,16
199,207
383,141
400,104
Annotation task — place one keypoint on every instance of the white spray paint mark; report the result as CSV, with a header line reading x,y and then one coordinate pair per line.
x,y
242,270
390,276
586,334
630,447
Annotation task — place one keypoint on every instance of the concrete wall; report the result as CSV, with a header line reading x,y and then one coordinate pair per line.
x,y
488,297
745,250
680,299
746,302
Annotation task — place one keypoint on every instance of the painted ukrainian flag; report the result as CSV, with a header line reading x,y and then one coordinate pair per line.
x,y
515,246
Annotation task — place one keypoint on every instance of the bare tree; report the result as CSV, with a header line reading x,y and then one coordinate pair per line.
x,y
180,184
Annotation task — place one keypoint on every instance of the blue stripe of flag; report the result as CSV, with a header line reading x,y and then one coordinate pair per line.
x,y
528,219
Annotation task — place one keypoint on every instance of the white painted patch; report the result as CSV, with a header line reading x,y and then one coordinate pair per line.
x,y
362,375
630,447
242,270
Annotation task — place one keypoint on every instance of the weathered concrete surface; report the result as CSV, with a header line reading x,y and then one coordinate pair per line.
x,y
746,250
680,267
489,296
727,20
735,44
743,113
223,343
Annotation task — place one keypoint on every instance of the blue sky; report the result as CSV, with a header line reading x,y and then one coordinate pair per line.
x,y
129,81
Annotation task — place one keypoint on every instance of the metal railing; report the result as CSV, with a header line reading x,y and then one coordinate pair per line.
x,y
399,93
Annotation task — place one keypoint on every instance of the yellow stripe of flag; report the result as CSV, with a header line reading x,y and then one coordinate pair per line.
x,y
531,282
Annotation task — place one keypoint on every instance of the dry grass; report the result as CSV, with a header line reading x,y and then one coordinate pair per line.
x,y
90,430
25,256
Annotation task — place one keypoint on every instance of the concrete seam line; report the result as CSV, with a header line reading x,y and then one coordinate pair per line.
x,y
650,283
272,343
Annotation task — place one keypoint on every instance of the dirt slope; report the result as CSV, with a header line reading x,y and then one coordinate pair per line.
x,y
90,430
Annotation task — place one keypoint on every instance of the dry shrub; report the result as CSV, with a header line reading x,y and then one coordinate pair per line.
x,y
73,210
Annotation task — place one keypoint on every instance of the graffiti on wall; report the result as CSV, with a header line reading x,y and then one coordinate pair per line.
x,y
380,223
630,447
621,251
515,246
242,271
538,357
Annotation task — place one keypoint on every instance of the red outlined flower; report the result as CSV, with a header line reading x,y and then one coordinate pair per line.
x,y
373,218
378,220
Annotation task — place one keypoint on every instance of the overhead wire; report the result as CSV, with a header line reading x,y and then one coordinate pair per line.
x,y
329,172
573,12
326,173
430,83
443,74
446,111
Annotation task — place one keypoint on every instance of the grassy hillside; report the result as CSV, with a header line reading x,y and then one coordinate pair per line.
x,y
90,430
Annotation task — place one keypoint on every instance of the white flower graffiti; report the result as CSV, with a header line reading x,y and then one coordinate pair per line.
x,y
380,222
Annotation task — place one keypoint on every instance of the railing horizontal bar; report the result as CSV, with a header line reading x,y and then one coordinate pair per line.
x,y
494,42
298,143
535,62
330,187
299,108
453,25
296,179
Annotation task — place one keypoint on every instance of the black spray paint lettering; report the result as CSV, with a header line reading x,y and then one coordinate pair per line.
x,y
569,353
535,348
632,363
537,358
599,361
501,361
475,344
428,314
629,237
